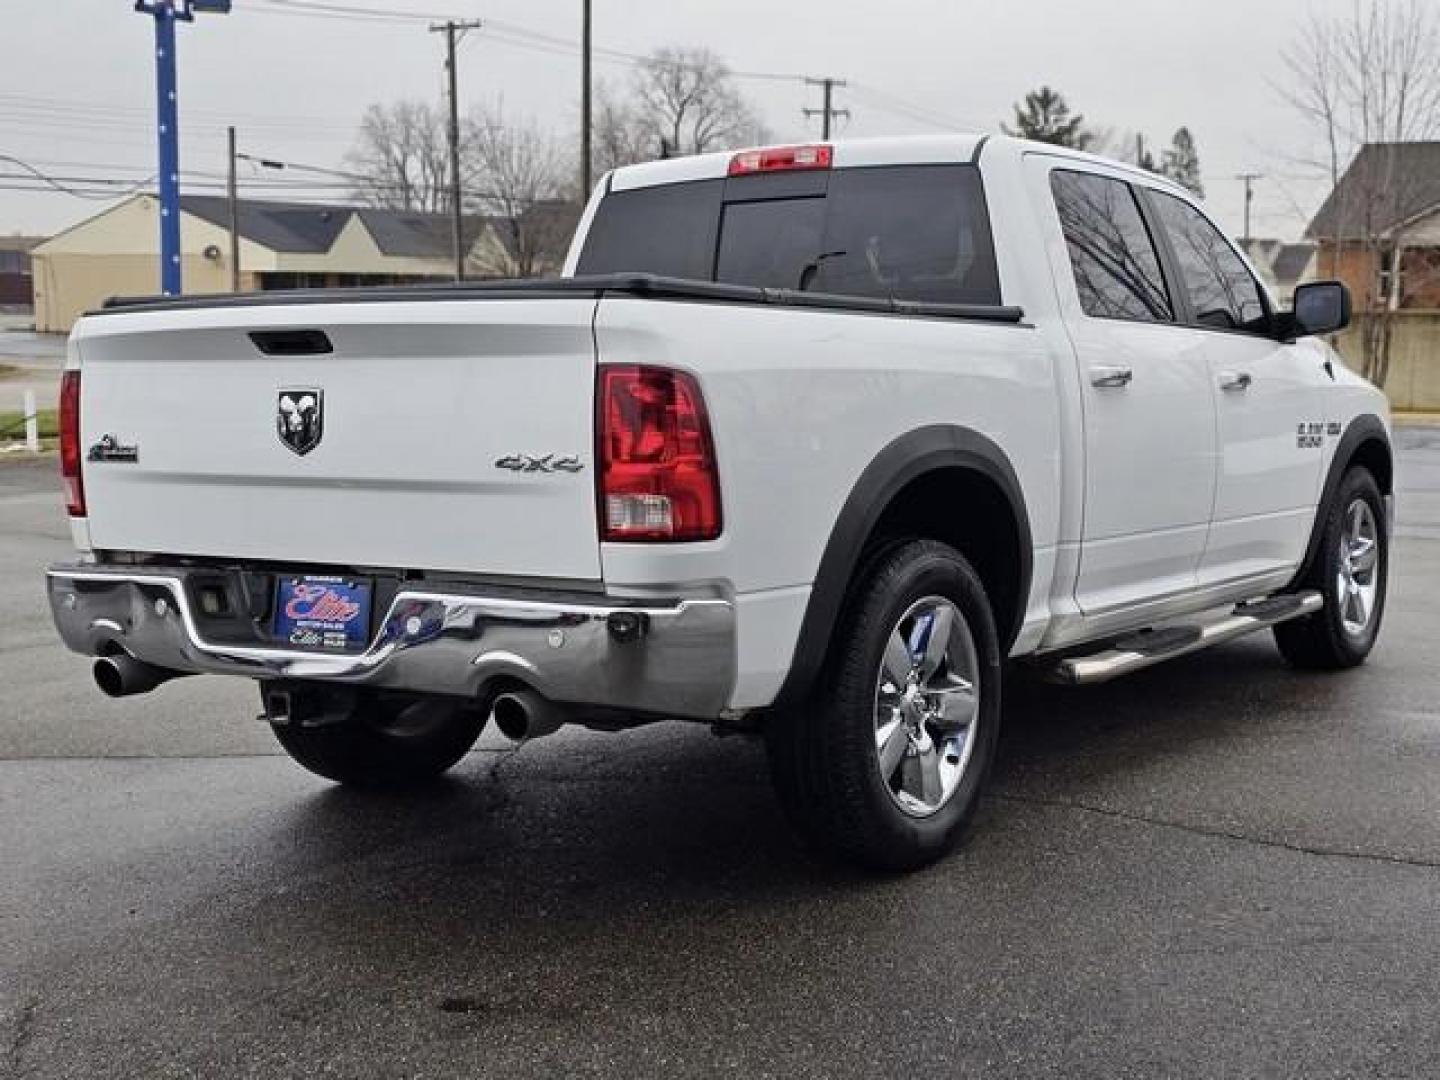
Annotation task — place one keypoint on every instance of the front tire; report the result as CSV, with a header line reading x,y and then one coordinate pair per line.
x,y
1350,571
883,768
382,743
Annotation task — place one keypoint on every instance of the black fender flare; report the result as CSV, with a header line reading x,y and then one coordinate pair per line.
x,y
1363,428
924,450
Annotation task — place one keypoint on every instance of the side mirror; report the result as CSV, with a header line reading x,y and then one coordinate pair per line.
x,y
1321,307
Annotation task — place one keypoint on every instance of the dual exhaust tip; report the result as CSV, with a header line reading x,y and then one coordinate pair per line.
x,y
122,675
520,715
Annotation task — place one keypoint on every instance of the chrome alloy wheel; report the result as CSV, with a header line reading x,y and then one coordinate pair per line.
x,y
927,699
1358,577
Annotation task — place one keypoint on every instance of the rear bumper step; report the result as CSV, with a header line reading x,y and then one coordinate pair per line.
x,y
1165,643
672,658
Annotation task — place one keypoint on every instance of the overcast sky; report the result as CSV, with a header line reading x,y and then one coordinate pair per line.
x,y
77,80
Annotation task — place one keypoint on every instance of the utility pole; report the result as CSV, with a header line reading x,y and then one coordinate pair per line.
x,y
232,189
453,31
1249,179
233,186
585,163
827,111
167,124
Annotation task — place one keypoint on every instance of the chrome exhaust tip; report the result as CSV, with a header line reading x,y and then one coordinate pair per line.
x,y
523,714
123,676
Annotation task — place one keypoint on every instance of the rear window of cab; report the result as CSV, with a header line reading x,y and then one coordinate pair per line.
x,y
907,232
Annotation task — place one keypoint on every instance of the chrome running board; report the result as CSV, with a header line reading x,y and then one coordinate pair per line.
x,y
1156,645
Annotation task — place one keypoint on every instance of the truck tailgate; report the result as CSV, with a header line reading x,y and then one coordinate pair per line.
x,y
431,424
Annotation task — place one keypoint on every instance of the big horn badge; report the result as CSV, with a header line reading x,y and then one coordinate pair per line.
x,y
300,419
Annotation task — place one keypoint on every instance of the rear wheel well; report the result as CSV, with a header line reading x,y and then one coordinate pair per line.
x,y
969,511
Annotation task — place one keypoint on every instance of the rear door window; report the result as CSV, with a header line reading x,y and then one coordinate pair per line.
x,y
908,232
1116,268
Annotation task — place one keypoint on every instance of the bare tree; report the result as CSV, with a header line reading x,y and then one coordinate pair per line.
x,y
1369,78
620,135
687,101
523,187
402,153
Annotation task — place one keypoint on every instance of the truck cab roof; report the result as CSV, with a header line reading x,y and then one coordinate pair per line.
x,y
944,148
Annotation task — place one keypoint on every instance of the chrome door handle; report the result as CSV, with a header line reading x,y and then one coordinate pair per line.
x,y
1111,376
1235,380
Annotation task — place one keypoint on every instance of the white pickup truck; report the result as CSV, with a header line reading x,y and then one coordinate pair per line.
x,y
809,441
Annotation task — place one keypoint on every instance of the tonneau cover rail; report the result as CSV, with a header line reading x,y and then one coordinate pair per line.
x,y
650,286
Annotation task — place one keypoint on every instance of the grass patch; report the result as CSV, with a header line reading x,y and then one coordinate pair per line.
x,y
12,424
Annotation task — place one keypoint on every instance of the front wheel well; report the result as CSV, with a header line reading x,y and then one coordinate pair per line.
x,y
970,512
1374,455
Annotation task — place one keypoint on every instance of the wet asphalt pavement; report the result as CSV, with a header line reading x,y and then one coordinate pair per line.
x,y
1215,868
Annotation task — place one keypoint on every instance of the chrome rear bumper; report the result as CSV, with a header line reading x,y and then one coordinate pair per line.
x,y
675,658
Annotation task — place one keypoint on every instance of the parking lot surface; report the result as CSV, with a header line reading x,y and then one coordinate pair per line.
x,y
1218,867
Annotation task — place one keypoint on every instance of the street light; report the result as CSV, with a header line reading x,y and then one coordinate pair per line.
x,y
166,13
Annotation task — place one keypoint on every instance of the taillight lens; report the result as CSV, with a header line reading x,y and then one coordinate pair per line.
x,y
70,443
658,479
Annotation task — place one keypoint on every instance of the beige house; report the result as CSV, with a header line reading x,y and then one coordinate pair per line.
x,y
282,246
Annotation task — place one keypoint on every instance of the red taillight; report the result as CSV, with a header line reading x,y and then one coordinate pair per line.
x,y
70,443
658,479
781,159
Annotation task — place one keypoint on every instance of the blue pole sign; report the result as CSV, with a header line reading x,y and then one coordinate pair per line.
x,y
167,110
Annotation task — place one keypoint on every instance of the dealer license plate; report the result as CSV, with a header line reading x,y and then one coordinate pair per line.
x,y
327,614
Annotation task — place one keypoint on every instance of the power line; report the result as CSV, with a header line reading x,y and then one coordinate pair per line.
x,y
59,185
510,33
900,107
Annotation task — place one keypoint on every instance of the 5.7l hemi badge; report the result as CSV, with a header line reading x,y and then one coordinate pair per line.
x,y
1311,435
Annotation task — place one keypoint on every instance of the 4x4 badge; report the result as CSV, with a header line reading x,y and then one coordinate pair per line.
x,y
300,418
547,464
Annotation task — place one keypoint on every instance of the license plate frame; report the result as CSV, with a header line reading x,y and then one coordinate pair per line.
x,y
323,613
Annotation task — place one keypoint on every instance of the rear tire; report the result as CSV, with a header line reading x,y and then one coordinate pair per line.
x,y
385,744
883,767
1350,571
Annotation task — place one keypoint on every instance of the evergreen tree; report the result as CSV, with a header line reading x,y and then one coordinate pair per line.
x,y
1182,163
1045,117
1145,159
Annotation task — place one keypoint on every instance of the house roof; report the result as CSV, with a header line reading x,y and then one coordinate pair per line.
x,y
311,228
416,235
1388,184
17,242
1291,261
302,228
